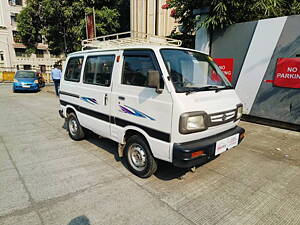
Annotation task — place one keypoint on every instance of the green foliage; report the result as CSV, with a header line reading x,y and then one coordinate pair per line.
x,y
62,22
29,29
226,12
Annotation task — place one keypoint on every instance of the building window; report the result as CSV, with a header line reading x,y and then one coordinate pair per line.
x,y
39,53
16,37
27,67
15,2
13,19
20,52
1,56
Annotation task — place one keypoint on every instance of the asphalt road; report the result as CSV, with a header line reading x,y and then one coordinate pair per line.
x,y
46,178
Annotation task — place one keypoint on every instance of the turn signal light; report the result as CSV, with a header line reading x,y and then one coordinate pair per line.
x,y
196,154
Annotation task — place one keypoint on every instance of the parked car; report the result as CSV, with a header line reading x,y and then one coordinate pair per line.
x,y
26,80
157,101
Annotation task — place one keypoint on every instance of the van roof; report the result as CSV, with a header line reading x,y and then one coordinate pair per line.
x,y
133,46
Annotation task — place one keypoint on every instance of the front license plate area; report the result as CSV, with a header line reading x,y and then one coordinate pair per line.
x,y
226,143
26,86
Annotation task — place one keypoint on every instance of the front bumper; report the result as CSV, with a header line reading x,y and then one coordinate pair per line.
x,y
182,153
20,87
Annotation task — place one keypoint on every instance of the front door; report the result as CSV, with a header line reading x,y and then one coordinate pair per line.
x,y
136,104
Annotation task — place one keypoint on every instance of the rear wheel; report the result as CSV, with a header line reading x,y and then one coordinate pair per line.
x,y
139,157
74,128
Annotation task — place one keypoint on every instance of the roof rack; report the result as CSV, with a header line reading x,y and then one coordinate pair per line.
x,y
127,38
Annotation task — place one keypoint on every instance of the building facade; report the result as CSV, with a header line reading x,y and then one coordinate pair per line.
x,y
147,16
12,51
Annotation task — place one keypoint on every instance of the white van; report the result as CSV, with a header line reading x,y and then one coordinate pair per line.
x,y
158,101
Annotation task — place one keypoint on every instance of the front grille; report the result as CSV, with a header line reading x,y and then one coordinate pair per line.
x,y
221,117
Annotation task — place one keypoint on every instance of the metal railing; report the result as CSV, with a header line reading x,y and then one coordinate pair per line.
x,y
127,38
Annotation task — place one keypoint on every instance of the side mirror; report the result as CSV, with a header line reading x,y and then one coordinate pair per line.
x,y
154,80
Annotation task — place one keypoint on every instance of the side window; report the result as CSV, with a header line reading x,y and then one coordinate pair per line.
x,y
98,70
136,68
73,69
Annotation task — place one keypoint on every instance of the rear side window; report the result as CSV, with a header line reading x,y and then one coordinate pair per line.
x,y
73,69
137,65
98,70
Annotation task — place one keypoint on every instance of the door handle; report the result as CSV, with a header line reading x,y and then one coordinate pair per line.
x,y
121,98
105,99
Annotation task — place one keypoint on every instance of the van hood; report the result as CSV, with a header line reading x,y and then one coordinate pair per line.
x,y
209,101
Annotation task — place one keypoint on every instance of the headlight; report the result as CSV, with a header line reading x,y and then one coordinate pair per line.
x,y
239,111
192,122
36,81
16,81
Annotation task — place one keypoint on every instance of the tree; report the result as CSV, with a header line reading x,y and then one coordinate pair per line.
x,y
223,13
62,22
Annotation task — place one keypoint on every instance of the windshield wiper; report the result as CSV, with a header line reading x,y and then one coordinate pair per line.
x,y
224,88
207,88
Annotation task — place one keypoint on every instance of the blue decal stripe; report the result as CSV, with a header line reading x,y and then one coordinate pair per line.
x,y
132,111
89,100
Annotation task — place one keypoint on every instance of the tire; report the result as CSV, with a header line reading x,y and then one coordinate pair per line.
x,y
74,128
139,157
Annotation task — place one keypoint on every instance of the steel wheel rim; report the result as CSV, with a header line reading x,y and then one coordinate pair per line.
x,y
73,126
137,157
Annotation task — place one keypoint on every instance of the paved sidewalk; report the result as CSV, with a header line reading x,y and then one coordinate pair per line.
x,y
46,178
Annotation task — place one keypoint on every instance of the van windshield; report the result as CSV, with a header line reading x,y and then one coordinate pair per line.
x,y
193,71
25,74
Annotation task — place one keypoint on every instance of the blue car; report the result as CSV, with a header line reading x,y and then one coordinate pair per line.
x,y
26,80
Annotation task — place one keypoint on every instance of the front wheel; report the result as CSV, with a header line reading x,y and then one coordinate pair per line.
x,y
139,157
74,128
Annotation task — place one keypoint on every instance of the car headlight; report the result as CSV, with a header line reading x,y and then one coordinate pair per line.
x,y
239,111
192,122
36,81
16,81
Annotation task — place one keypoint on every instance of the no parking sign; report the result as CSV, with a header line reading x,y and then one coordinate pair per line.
x,y
226,66
287,73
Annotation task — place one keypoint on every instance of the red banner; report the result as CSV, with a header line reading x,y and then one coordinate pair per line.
x,y
287,73
226,66
90,26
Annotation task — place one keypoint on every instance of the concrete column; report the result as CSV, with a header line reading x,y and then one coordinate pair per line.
x,y
151,17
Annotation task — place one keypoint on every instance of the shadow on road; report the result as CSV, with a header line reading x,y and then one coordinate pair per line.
x,y
165,171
